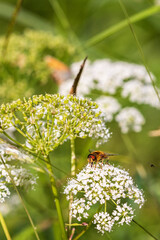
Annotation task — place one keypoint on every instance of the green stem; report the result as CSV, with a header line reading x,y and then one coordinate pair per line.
x,y
140,225
65,23
139,48
25,208
10,28
108,32
73,158
17,144
56,199
105,206
73,172
144,229
4,226
88,226
83,231
75,224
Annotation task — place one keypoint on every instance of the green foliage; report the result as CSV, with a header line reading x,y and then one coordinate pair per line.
x,y
97,29
25,68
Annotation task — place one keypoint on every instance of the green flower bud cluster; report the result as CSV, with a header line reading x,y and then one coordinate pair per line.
x,y
25,66
47,121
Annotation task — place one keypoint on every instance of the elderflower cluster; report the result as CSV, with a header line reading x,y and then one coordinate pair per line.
x,y
47,121
117,87
109,189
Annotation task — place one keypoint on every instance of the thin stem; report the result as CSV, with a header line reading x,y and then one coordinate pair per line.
x,y
87,227
145,229
10,27
65,24
22,201
105,206
139,47
56,199
73,158
108,32
139,225
73,172
83,231
4,226
17,144
75,224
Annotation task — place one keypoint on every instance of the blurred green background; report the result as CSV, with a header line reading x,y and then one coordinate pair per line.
x,y
74,24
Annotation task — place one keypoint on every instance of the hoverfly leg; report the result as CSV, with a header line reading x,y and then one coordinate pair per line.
x,y
107,162
102,163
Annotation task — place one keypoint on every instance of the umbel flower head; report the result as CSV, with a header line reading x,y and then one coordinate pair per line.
x,y
109,188
47,121
118,88
13,163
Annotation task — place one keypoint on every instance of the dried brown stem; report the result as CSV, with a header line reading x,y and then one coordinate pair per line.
x,y
76,80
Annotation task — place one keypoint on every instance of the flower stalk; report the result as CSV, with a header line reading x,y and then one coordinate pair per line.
x,y
4,226
73,158
56,199
22,201
73,172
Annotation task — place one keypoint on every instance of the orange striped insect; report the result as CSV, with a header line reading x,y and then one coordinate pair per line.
x,y
98,156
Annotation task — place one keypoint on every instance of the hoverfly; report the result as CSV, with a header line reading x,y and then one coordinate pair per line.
x,y
98,156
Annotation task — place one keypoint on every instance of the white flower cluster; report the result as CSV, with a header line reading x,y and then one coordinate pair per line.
x,y
130,118
114,82
109,106
102,185
4,192
14,160
20,176
47,121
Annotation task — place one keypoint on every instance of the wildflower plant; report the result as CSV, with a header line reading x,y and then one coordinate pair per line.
x,y
110,189
45,122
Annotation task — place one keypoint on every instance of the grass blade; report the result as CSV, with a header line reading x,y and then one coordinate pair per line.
x,y
139,47
108,32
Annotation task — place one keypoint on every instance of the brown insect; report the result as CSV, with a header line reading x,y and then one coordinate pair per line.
x,y
98,156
